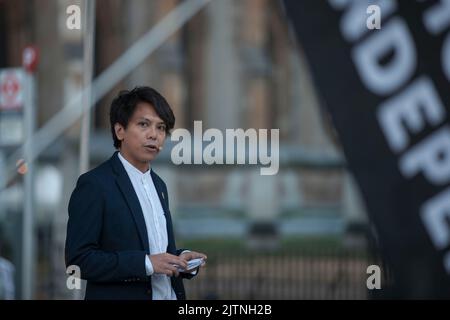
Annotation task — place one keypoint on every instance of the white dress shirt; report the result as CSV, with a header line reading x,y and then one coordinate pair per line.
x,y
155,222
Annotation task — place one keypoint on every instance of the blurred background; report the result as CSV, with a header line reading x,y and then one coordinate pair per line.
x,y
300,234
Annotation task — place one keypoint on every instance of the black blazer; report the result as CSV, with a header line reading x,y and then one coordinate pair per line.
x,y
107,236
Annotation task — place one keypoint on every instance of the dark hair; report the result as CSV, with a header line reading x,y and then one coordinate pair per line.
x,y
123,106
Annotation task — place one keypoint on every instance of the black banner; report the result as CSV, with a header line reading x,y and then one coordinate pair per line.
x,y
387,87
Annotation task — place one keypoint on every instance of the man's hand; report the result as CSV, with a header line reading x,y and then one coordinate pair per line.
x,y
167,263
193,255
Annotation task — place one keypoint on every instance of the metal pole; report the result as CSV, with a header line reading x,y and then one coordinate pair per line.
x,y
28,245
2,177
88,46
88,62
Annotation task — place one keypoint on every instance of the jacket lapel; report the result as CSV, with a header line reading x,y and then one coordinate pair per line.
x,y
125,186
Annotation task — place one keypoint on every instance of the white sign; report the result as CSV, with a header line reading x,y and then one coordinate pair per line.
x,y
12,93
11,129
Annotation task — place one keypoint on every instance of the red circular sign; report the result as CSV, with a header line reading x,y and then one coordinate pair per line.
x,y
10,90
30,58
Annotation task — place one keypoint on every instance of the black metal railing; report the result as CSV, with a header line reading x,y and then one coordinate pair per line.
x,y
306,273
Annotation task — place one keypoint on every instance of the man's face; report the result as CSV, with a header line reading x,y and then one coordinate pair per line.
x,y
144,135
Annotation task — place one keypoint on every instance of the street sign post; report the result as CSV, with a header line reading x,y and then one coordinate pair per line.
x,y
11,89
29,62
12,99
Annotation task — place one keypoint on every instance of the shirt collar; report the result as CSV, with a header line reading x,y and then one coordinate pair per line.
x,y
132,170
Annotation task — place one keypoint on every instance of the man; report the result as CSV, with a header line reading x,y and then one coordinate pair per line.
x,y
120,231
7,270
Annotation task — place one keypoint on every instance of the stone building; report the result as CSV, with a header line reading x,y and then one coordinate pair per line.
x,y
233,65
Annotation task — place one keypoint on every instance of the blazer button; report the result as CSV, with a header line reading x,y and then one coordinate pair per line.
x,y
149,291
